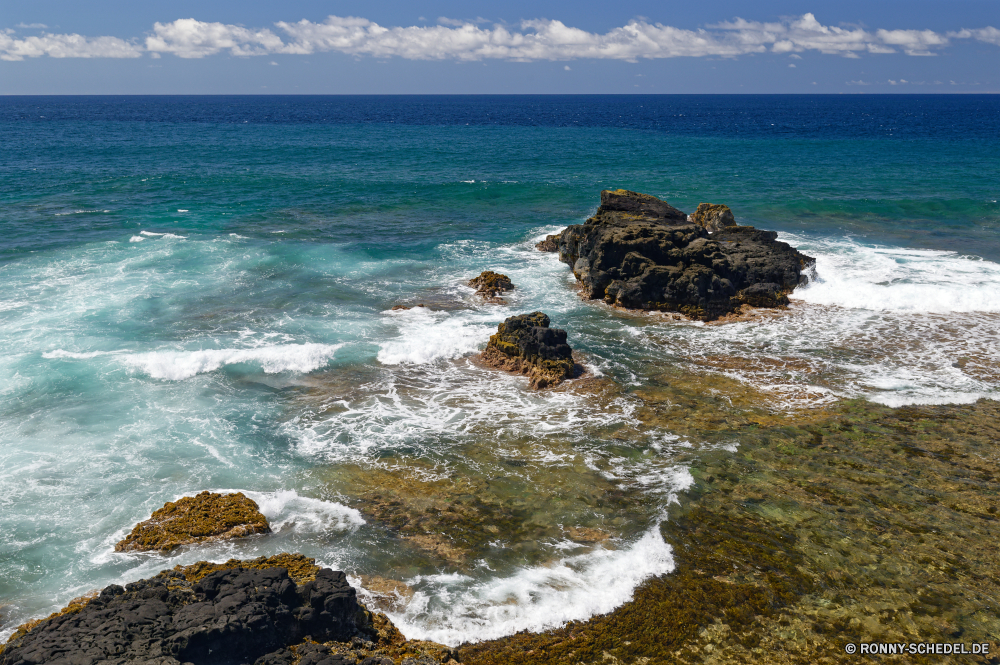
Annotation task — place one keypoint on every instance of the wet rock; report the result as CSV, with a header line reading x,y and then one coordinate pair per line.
x,y
490,285
203,518
639,252
527,345
386,594
714,217
550,244
229,617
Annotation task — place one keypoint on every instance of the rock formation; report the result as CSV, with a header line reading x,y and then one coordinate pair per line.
x,y
714,217
527,345
550,244
490,285
203,518
639,252
238,614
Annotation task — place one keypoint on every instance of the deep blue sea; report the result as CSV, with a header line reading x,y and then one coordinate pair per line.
x,y
197,294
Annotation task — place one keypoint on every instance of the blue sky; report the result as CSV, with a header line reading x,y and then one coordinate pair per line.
x,y
631,46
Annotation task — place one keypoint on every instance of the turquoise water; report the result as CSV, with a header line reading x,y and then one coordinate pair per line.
x,y
197,300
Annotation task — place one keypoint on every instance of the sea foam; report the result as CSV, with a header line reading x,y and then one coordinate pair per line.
x,y
452,609
858,276
177,365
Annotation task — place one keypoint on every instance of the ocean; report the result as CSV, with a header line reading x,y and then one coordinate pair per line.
x,y
198,292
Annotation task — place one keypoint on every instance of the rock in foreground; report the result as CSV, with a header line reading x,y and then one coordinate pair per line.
x,y
194,519
527,345
235,615
639,252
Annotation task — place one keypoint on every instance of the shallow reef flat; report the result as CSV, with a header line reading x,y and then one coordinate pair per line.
x,y
857,523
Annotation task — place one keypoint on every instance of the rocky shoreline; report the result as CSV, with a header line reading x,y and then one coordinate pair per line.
x,y
850,523
856,523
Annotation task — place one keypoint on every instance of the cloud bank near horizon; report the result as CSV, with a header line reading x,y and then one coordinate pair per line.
x,y
533,40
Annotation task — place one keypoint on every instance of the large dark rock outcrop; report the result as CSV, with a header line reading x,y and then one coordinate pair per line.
x,y
236,613
206,517
527,345
229,617
639,252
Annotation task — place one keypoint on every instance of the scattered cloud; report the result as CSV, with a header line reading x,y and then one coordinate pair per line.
x,y
468,40
273,63
65,46
32,26
792,65
567,68
795,56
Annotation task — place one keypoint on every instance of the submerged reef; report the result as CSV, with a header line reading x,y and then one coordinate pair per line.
x,y
853,524
236,613
527,345
491,285
203,518
639,252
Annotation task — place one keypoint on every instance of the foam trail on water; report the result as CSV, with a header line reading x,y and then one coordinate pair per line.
x,y
151,234
450,609
286,509
857,276
177,365
60,353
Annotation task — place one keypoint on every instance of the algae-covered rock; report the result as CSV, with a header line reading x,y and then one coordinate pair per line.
x,y
203,518
527,345
713,216
490,285
639,252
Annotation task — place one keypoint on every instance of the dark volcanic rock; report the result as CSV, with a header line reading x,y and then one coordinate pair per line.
x,y
550,244
527,345
229,617
641,253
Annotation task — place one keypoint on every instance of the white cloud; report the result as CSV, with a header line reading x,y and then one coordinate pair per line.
x,y
470,40
989,34
32,26
189,38
913,42
65,46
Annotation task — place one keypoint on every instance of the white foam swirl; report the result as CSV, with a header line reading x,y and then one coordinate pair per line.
x,y
177,365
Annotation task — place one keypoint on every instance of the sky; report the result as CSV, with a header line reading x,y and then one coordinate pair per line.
x,y
489,47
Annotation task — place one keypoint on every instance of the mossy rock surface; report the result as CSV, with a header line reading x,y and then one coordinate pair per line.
x,y
527,344
855,524
490,285
203,518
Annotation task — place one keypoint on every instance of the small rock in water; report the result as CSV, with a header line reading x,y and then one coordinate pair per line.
x,y
490,285
713,216
206,517
527,345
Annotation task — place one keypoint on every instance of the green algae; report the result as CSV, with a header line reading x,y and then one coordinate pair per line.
x,y
201,518
854,523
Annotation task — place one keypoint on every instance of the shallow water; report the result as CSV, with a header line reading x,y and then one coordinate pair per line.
x,y
198,296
